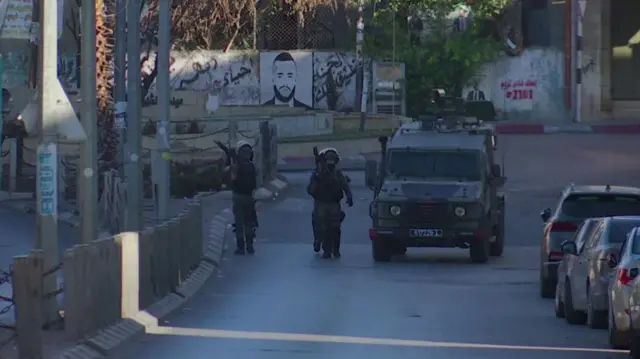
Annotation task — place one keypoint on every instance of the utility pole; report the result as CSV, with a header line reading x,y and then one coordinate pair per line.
x,y
133,146
360,63
577,16
163,156
120,111
47,153
88,166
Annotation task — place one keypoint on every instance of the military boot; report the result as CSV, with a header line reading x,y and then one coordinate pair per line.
x,y
336,244
250,248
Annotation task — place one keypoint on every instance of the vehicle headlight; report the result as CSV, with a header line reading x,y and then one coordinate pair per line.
x,y
460,211
395,210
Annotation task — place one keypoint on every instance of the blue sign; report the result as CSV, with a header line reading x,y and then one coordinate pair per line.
x,y
47,179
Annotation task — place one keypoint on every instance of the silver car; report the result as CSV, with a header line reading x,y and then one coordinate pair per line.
x,y
577,203
585,294
585,230
627,264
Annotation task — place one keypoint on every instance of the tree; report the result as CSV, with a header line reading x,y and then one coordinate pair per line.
x,y
440,57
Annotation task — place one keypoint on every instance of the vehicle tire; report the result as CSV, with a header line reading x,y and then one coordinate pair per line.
x,y
381,251
596,319
547,287
572,316
634,346
497,247
558,304
479,251
616,339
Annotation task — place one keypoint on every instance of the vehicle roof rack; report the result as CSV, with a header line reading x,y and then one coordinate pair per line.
x,y
448,124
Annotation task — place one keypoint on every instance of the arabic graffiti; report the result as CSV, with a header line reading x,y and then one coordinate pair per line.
x,y
519,89
334,85
201,71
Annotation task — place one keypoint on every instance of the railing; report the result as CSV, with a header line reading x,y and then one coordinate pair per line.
x,y
95,276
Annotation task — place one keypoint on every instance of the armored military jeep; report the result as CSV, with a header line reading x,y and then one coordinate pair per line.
x,y
437,185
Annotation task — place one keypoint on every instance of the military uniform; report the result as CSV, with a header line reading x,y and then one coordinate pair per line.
x,y
328,186
243,184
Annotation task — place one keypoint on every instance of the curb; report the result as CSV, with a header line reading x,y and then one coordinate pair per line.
x,y
514,128
108,340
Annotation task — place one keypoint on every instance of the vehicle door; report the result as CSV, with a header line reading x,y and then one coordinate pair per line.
x,y
634,301
570,261
580,271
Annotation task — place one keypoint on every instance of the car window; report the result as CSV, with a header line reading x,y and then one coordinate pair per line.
x,y
623,249
635,246
600,205
594,238
585,232
620,228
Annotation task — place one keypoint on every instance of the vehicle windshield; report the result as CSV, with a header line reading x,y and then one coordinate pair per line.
x,y
458,165
601,205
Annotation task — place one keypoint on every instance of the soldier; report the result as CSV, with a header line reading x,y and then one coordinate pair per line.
x,y
328,186
243,185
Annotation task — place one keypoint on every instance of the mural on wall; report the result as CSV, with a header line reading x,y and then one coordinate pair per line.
x,y
286,78
334,81
524,87
17,20
235,74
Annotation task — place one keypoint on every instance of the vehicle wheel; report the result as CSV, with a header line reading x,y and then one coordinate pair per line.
x,y
479,251
547,287
616,339
596,319
497,247
558,305
572,316
634,346
381,251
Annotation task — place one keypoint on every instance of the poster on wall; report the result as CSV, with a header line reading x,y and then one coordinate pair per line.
x,y
18,24
286,78
334,81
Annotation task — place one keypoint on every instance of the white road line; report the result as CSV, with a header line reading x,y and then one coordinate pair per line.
x,y
233,334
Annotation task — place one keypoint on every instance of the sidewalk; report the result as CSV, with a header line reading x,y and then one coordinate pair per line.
x,y
18,224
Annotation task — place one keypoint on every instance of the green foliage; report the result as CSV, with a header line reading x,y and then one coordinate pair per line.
x,y
440,59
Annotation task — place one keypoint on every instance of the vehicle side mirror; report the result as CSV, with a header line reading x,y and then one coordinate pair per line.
x,y
612,262
569,247
545,214
496,171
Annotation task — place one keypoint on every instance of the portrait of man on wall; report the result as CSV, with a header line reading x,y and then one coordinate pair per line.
x,y
284,81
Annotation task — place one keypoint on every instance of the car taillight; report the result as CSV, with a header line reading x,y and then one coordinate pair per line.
x,y
563,227
556,256
623,276
372,234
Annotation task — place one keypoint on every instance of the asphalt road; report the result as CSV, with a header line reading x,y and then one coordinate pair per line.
x,y
285,302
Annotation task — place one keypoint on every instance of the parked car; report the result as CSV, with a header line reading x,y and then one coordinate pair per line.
x,y
584,232
626,264
586,286
576,204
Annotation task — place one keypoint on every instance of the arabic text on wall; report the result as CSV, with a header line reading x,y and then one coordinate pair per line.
x,y
334,85
518,90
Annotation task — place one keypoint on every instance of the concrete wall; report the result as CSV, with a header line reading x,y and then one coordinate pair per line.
x,y
527,87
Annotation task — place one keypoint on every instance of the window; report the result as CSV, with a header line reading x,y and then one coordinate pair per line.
x,y
600,205
592,240
458,165
585,232
620,228
635,248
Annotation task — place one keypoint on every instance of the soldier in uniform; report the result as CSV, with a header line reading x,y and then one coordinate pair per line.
x,y
243,185
328,186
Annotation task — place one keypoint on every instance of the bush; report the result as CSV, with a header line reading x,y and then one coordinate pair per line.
x,y
189,178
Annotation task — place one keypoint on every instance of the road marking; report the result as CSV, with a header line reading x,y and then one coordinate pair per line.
x,y
234,334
